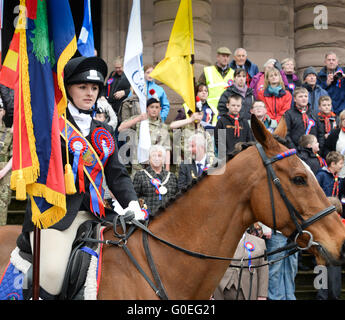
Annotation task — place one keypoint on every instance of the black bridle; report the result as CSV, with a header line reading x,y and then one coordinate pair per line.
x,y
296,217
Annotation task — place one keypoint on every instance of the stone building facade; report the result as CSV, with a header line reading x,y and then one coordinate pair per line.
x,y
302,29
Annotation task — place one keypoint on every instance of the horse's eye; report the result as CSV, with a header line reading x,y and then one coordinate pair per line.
x,y
299,181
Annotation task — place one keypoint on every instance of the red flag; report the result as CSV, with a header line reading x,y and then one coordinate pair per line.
x,y
9,72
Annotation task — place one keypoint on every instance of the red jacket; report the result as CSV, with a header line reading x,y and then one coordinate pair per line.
x,y
276,106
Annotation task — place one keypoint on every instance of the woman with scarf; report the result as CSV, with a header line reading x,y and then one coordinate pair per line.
x,y
277,99
238,87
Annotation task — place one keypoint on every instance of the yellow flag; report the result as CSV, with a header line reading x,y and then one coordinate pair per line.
x,y
176,69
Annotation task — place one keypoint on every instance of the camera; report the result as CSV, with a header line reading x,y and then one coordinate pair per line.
x,y
338,75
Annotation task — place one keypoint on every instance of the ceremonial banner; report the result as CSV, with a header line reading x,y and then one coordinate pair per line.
x,y
43,42
176,69
133,68
85,43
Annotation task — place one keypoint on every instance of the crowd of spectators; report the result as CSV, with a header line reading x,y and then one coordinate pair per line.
x,y
229,91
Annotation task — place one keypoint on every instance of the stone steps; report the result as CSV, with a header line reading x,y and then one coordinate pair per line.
x,y
304,282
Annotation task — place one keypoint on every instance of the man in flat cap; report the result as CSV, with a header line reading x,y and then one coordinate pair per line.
x,y
217,77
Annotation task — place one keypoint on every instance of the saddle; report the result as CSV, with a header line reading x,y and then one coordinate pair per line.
x,y
77,268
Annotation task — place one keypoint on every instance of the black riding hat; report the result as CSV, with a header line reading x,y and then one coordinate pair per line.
x,y
84,70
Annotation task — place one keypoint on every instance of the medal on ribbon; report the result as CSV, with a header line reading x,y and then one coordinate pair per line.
x,y
78,146
104,144
250,248
146,212
92,166
156,183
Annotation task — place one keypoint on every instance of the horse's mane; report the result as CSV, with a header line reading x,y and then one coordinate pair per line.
x,y
239,147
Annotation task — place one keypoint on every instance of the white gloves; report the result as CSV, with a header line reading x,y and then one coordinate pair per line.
x,y
135,207
132,206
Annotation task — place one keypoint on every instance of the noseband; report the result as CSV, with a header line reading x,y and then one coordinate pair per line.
x,y
296,217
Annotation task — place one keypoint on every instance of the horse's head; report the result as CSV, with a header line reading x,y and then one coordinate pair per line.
x,y
304,201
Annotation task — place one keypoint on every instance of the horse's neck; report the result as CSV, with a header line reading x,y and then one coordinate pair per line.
x,y
210,219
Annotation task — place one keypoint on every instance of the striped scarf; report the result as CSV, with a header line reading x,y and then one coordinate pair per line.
x,y
335,191
326,119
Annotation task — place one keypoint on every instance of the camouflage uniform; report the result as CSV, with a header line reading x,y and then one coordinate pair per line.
x,y
5,154
129,107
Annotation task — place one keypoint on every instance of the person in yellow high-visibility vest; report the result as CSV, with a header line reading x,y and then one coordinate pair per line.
x,y
217,77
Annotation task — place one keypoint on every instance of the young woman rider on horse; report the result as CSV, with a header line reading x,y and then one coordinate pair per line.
x,y
84,78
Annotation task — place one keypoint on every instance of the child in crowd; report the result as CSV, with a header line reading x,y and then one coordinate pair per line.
x,y
209,115
300,119
326,116
237,128
110,117
308,151
259,109
328,178
277,99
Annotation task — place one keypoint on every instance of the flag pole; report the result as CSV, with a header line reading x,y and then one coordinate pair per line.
x,y
192,61
36,264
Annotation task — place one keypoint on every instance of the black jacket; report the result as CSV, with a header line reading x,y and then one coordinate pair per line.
x,y
117,178
247,101
188,172
113,84
310,158
296,129
225,122
331,142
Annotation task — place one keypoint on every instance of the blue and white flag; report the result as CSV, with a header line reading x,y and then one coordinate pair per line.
x,y
85,43
134,71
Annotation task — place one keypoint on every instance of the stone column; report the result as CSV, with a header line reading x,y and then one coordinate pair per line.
x,y
164,17
268,29
114,19
319,28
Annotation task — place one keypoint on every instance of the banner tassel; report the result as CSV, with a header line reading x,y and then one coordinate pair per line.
x,y
69,180
20,186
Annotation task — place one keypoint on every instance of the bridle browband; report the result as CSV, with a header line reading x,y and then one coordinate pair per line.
x,y
294,214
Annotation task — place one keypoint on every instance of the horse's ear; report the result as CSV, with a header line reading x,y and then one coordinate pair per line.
x,y
281,129
261,134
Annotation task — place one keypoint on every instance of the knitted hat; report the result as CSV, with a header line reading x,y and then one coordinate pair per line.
x,y
309,70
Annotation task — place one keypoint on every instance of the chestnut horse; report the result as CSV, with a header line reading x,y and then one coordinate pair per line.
x,y
211,217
